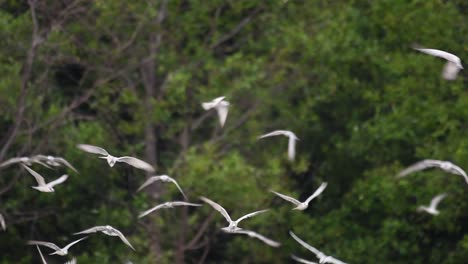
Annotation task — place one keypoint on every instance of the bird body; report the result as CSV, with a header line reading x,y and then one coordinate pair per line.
x,y
291,143
167,205
446,166
42,185
108,230
432,209
163,178
453,65
221,107
58,251
232,224
111,160
303,205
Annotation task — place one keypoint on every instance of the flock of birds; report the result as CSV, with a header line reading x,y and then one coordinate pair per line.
x,y
221,106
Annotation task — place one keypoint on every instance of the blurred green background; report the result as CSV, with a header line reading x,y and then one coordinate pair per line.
x,y
130,76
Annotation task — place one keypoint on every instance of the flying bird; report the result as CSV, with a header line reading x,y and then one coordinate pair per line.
x,y
301,260
58,251
22,160
430,163
54,161
432,209
163,178
305,204
42,185
232,224
322,257
453,65
2,222
221,106
291,144
108,230
166,205
256,235
137,163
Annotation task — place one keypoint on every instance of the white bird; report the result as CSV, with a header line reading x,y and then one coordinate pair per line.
x,y
305,204
256,235
23,160
42,185
2,222
58,251
453,65
301,260
221,107
42,256
432,209
108,230
166,205
291,144
430,163
322,257
163,178
232,224
111,160
54,161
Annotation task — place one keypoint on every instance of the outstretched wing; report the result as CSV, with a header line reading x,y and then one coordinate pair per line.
x,y
222,108
301,260
40,180
2,222
179,203
292,148
317,192
317,252
287,198
178,187
40,254
217,207
157,207
421,165
66,163
258,236
60,180
73,243
43,243
436,200
137,163
10,161
91,230
439,53
274,133
251,214
124,239
92,149
149,181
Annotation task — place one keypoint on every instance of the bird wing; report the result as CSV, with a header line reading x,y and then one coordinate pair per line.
x,y
450,71
92,149
461,172
217,207
2,222
137,163
73,243
440,53
222,109
157,207
178,187
275,133
333,260
317,192
91,230
40,180
317,252
436,200
301,260
180,203
66,163
149,181
287,198
40,253
43,243
251,214
258,236
291,148
72,261
124,239
420,165
10,161
60,180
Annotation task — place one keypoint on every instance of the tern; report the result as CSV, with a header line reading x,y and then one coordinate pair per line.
x,y
167,205
301,260
163,178
54,161
108,230
22,160
58,251
302,206
291,144
256,235
453,65
232,224
432,209
2,222
221,106
137,163
42,185
430,163
322,257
